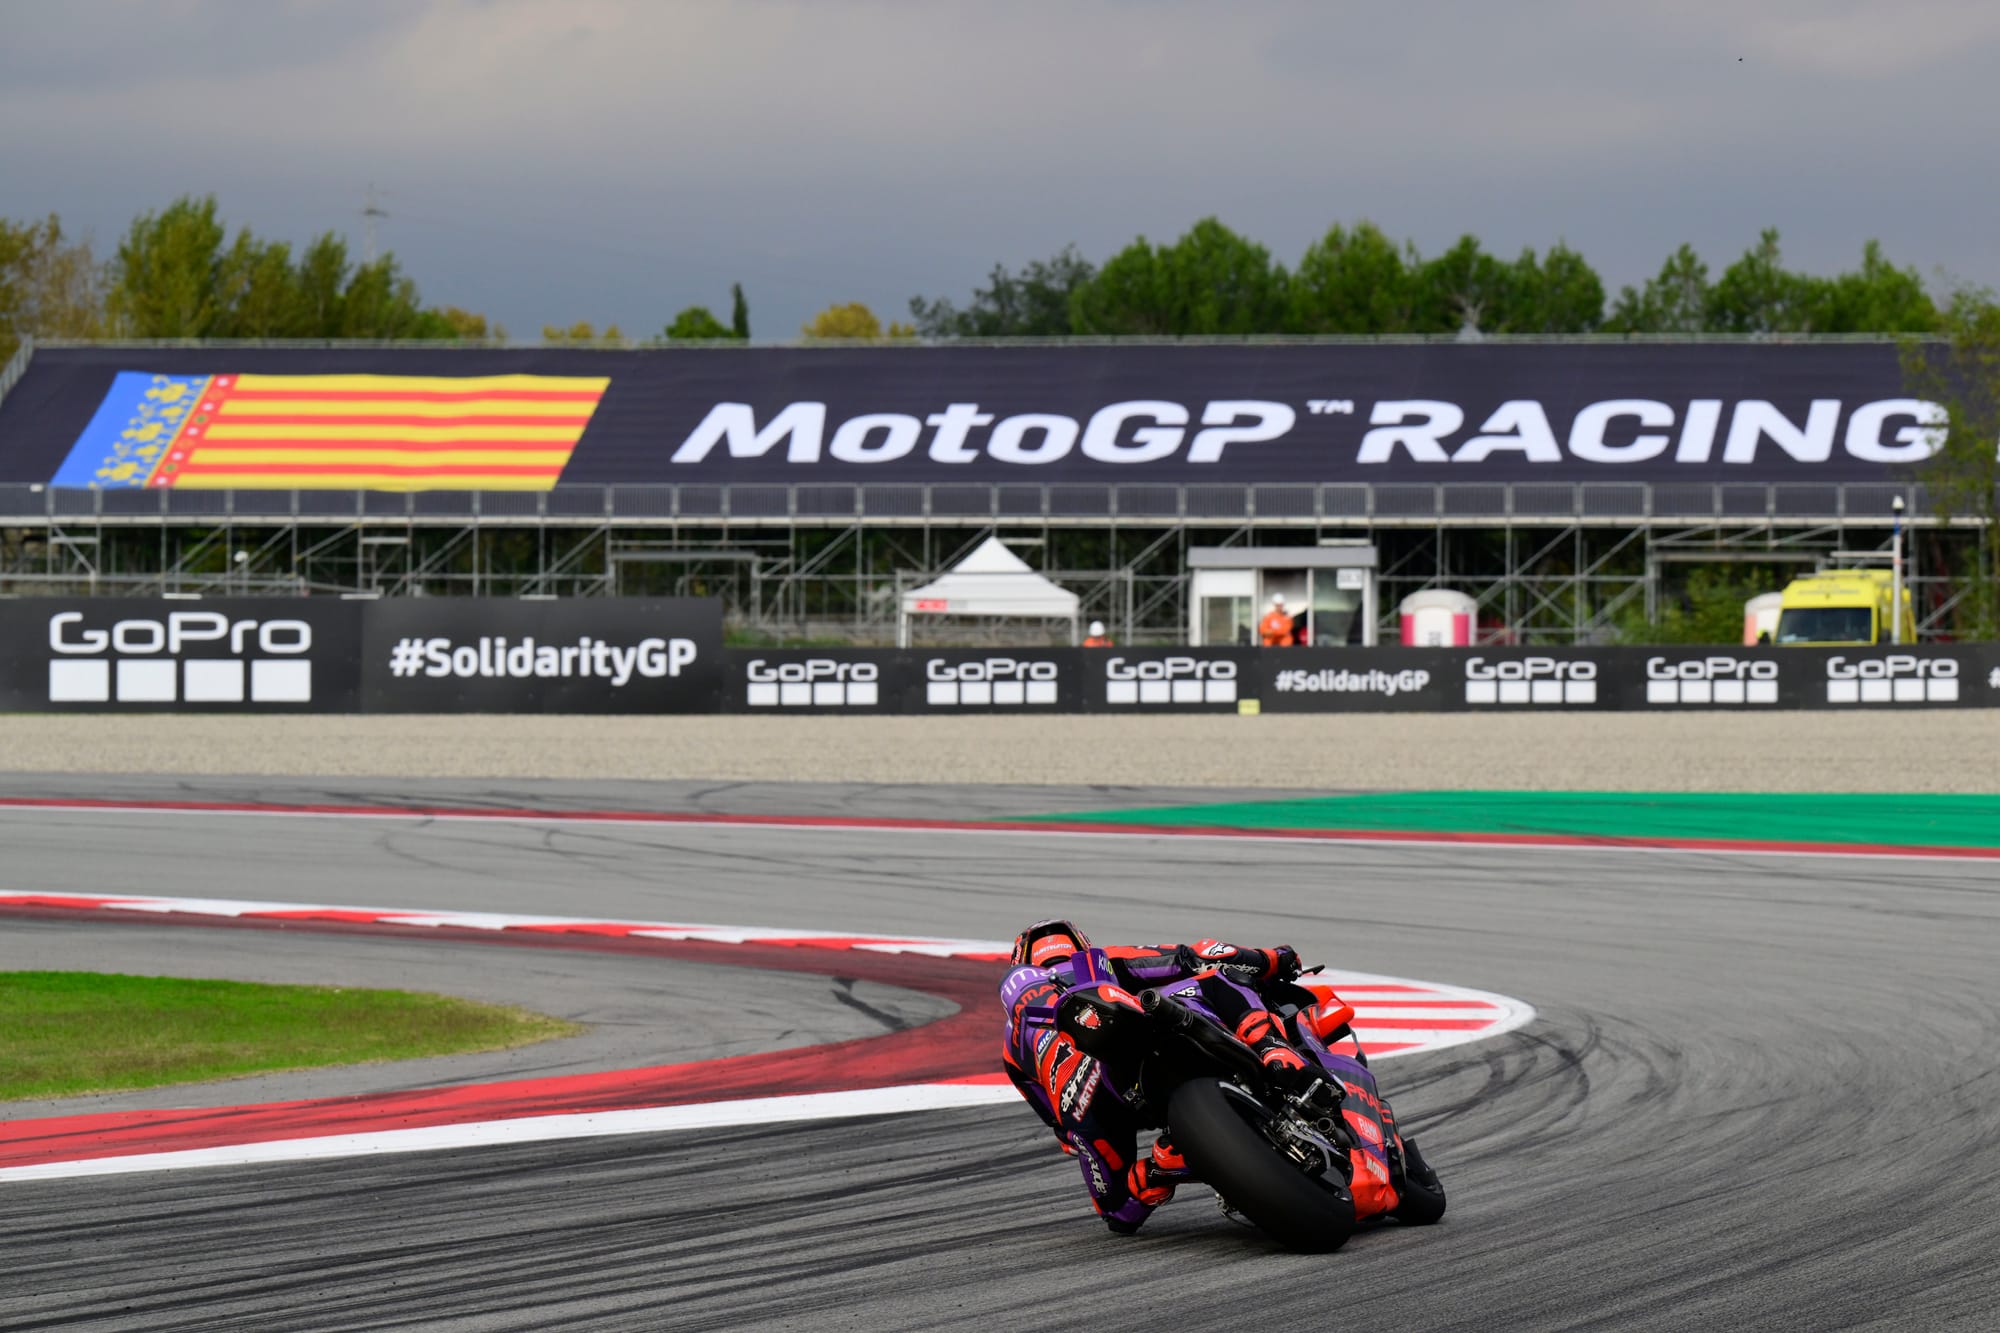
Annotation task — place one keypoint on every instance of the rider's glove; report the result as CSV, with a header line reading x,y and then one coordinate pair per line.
x,y
1285,963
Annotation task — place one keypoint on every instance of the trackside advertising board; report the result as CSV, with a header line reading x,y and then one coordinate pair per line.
x,y
120,655
884,680
1664,679
1181,414
587,655
617,655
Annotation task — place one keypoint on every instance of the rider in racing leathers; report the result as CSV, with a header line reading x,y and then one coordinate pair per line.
x,y
1061,1082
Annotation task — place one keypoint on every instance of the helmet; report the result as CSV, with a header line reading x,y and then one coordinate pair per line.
x,y
1096,629
1277,599
1047,943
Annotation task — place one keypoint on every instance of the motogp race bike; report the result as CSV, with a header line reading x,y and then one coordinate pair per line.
x,y
1304,1156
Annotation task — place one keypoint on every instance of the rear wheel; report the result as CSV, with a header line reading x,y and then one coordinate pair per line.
x,y
1229,1154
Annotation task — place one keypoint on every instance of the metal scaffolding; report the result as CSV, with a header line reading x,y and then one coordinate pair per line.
x,y
1547,563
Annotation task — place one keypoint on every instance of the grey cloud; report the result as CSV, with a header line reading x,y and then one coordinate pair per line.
x,y
826,150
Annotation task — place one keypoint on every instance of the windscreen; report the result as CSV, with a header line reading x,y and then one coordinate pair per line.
x,y
1826,624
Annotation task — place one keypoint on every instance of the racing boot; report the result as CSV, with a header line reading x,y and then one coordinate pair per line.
x,y
1152,1178
1288,1070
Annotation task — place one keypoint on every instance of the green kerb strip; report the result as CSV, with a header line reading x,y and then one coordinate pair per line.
x,y
1843,819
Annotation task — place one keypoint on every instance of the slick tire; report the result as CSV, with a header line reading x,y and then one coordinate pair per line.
x,y
1229,1155
1421,1194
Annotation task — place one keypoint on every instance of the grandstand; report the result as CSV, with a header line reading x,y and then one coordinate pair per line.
x,y
1563,484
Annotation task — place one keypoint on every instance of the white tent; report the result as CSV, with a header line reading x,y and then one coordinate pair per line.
x,y
992,581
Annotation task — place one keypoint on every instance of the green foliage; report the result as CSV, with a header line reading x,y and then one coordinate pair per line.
x,y
1210,281
1033,303
1675,301
853,320
1960,371
697,323
50,286
1707,609
1352,282
582,334
739,313
174,277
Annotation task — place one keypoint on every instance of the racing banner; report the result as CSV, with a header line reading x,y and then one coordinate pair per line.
x,y
582,655
1435,680
252,655
886,680
1175,414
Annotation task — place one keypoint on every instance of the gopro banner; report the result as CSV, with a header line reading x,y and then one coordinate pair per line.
x,y
1175,414
253,655
882,680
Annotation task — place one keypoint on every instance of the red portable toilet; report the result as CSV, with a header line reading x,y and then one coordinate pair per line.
x,y
1438,618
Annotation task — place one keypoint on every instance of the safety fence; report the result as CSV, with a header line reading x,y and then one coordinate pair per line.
x,y
615,655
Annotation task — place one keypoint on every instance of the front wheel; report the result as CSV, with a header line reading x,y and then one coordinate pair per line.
x,y
1228,1153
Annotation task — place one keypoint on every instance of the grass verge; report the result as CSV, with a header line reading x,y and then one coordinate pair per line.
x,y
63,1033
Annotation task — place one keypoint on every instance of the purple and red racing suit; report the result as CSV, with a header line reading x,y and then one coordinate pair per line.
x,y
1067,1089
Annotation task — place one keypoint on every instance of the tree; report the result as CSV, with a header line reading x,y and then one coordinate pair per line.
x,y
168,268
1960,371
739,313
469,327
1352,282
1878,297
853,320
697,323
582,334
1033,303
1210,281
1674,301
1560,294
1463,288
1757,294
50,286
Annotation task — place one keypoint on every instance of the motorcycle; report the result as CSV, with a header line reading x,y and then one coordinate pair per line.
x,y
1304,1155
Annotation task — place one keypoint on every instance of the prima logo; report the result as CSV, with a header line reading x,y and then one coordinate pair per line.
x,y
1720,679
816,682
990,682
1530,680
1170,680
196,657
1899,678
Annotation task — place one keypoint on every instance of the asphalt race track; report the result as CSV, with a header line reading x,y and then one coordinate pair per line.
x,y
1759,1094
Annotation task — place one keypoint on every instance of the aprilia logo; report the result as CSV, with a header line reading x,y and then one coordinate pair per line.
x,y
1170,680
992,681
1711,680
1900,678
1530,680
138,661
818,682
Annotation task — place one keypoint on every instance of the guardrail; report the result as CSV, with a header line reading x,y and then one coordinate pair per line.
x,y
1337,504
17,366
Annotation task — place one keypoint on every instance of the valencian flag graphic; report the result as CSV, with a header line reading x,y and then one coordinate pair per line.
x,y
332,432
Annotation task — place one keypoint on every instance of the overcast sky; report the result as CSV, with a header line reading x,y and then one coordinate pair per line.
x,y
616,160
